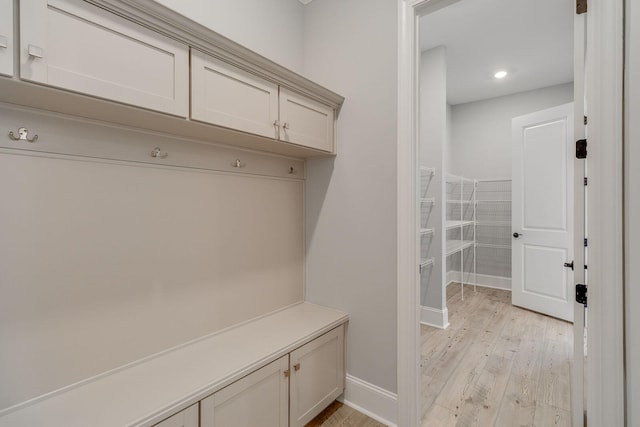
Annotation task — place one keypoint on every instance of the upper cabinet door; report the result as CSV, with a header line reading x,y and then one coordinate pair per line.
x,y
6,37
73,45
227,96
306,122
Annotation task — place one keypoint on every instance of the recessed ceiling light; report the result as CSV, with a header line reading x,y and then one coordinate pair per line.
x,y
500,74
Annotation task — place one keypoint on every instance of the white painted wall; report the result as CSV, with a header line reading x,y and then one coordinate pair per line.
x,y
272,28
433,136
481,144
351,47
632,207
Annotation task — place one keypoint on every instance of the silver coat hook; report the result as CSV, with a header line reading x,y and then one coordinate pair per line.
x,y
157,154
23,135
292,171
238,164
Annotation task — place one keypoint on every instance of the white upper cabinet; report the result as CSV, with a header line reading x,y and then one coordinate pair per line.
x,y
149,59
76,46
306,122
225,95
228,96
6,37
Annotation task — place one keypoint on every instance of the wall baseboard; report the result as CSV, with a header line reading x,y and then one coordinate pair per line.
x,y
484,280
434,317
371,400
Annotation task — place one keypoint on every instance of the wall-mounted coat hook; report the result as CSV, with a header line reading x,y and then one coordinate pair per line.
x,y
238,164
23,135
292,170
157,154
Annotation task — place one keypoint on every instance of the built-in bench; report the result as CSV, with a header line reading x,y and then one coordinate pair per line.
x,y
149,391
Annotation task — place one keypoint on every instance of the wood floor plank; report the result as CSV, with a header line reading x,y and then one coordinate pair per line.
x,y
551,416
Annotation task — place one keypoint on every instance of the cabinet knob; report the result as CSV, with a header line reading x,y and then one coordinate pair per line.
x,y
287,373
296,367
276,123
285,125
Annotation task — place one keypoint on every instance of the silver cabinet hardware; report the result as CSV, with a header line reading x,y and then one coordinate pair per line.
x,y
23,135
238,164
157,154
285,125
35,51
3,41
276,123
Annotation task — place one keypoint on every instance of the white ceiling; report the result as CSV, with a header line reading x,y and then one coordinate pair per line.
x,y
531,39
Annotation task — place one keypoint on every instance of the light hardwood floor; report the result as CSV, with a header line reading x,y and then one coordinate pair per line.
x,y
495,365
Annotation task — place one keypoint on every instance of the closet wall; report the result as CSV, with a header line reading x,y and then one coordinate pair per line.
x,y
481,130
434,133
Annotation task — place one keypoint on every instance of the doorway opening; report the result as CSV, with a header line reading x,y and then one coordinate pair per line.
x,y
497,96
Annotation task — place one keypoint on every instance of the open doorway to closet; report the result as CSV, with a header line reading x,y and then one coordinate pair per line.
x,y
496,134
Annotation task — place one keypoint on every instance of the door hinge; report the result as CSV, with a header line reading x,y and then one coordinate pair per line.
x,y
581,294
581,6
581,149
585,120
585,180
586,242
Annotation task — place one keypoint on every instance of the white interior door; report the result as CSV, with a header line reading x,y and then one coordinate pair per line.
x,y
542,216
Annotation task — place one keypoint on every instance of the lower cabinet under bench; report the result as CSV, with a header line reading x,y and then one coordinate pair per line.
x,y
279,370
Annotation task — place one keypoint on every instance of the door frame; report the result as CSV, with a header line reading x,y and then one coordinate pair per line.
x,y
605,372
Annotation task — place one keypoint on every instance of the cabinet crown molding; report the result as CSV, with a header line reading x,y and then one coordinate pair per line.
x,y
163,20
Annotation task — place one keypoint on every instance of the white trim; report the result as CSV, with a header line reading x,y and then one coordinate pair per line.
x,y
605,369
434,317
408,297
363,396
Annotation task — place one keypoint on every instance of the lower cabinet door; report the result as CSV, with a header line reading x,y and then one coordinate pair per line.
x,y
259,399
317,376
185,418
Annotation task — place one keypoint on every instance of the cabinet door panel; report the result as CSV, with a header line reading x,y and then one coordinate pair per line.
x,y
306,122
6,37
185,418
317,376
73,45
224,95
259,399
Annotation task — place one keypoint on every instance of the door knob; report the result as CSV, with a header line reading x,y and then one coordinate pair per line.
x,y
569,265
516,234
